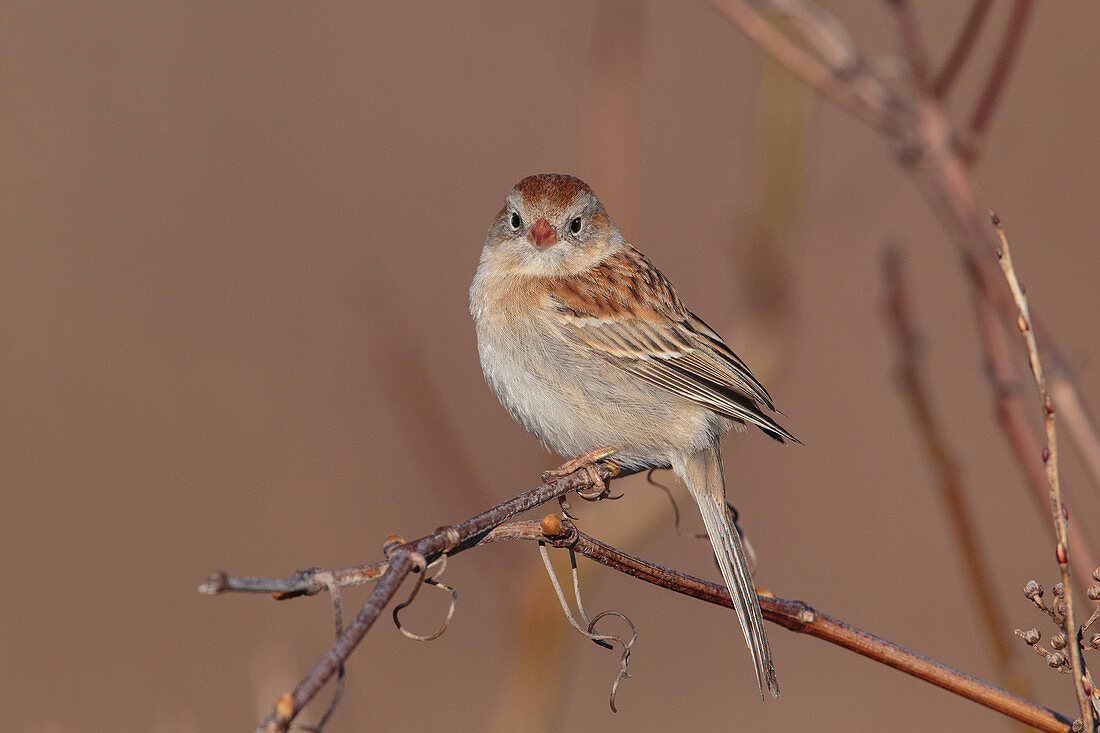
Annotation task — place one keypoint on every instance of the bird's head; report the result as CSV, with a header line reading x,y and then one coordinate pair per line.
x,y
551,225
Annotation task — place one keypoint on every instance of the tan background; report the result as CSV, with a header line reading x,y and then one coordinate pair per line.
x,y
236,243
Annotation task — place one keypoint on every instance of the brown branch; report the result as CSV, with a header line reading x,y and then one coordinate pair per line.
x,y
979,11
793,615
916,393
402,558
852,89
1050,461
803,618
998,75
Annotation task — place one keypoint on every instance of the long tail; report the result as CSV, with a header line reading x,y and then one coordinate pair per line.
x,y
702,472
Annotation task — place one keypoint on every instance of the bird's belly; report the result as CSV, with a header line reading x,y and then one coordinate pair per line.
x,y
575,401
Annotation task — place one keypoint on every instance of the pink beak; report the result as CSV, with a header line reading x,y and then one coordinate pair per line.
x,y
542,234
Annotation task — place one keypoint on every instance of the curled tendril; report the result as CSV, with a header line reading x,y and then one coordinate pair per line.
x,y
423,578
588,628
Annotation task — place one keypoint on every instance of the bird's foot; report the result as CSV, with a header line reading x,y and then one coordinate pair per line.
x,y
600,488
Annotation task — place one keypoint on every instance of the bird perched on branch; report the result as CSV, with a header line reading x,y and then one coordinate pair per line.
x,y
589,347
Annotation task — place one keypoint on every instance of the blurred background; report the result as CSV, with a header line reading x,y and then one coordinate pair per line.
x,y
236,245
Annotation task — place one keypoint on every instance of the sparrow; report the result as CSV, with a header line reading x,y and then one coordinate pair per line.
x,y
589,347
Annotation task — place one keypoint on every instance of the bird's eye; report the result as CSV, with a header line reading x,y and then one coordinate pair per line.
x,y
515,221
575,225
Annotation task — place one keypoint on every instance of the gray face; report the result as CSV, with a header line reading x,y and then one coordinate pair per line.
x,y
542,237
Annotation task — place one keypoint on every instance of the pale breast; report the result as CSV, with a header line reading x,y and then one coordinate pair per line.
x,y
567,396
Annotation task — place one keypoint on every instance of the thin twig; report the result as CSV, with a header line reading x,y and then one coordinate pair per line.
x,y
1011,415
304,583
979,11
1050,460
998,75
916,392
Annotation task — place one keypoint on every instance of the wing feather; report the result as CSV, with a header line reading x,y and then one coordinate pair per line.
x,y
629,314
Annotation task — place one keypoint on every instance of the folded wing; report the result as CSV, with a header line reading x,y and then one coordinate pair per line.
x,y
629,314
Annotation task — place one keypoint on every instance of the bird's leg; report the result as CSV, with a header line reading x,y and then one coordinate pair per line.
x,y
587,461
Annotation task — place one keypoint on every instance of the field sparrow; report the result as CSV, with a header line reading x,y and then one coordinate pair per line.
x,y
589,347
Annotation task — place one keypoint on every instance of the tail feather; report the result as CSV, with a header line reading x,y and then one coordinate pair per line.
x,y
703,474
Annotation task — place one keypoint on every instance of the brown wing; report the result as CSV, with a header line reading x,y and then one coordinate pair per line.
x,y
626,311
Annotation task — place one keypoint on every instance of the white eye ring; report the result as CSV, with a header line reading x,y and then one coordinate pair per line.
x,y
515,222
575,225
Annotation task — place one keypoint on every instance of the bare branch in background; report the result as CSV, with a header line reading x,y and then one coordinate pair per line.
x,y
915,390
1012,415
854,90
979,11
1082,428
928,151
942,175
905,19
995,84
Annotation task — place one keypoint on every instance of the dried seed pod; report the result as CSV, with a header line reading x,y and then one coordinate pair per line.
x,y
1056,660
1034,590
1031,637
1093,592
1058,641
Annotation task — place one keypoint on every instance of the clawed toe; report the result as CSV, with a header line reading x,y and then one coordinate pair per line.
x,y
599,488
